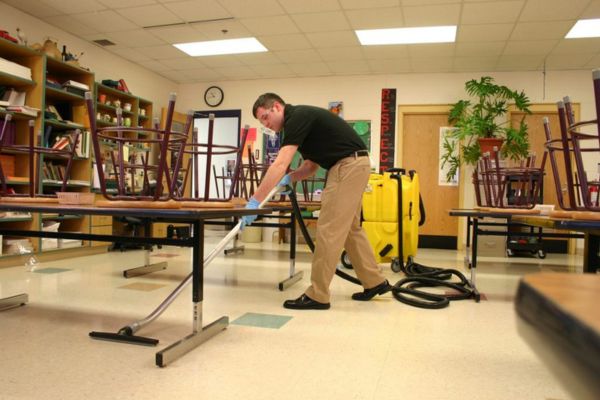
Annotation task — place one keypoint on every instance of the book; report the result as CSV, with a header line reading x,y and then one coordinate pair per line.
x,y
24,110
75,84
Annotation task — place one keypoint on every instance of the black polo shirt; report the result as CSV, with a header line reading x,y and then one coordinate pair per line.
x,y
321,136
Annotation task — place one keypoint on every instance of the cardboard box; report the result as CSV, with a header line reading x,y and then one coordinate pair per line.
x,y
8,164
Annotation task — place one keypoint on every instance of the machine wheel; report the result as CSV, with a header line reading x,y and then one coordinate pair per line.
x,y
541,254
346,260
396,267
509,253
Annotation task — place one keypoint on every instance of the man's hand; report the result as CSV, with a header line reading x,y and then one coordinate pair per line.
x,y
249,219
284,183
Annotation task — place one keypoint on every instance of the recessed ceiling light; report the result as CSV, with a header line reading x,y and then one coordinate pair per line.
x,y
219,47
426,34
584,28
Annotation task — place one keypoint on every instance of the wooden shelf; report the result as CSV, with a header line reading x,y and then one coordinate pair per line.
x,y
62,125
61,94
16,81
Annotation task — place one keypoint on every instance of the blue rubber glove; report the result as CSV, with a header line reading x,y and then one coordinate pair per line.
x,y
284,182
249,219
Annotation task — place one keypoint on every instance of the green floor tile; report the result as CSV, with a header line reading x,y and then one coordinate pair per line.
x,y
51,270
262,320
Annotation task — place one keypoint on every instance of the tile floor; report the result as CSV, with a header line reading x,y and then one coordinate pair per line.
x,y
380,349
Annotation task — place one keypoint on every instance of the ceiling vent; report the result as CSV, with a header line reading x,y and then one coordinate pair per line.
x,y
104,42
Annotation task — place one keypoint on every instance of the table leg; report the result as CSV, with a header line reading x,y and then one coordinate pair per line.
x,y
199,333
293,275
591,251
13,301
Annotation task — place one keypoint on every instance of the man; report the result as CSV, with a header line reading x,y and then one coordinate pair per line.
x,y
325,140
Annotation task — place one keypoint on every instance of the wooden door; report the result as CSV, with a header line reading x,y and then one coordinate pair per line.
x,y
419,132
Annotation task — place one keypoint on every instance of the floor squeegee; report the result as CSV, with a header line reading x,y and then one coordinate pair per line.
x,y
127,333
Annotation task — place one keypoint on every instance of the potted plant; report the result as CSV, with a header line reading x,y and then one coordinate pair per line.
x,y
480,119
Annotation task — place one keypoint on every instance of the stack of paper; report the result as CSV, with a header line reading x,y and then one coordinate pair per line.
x,y
12,68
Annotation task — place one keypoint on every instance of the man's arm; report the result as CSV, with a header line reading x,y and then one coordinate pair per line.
x,y
306,170
275,172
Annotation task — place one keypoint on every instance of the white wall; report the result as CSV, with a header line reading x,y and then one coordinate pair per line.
x,y
105,65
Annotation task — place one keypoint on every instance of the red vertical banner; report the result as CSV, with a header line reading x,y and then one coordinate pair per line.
x,y
388,129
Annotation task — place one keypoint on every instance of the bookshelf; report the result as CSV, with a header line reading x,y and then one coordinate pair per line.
x,y
50,86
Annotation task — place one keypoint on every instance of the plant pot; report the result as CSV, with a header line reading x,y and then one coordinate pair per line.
x,y
487,145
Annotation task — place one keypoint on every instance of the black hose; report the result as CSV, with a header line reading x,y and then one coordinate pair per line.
x,y
308,239
417,276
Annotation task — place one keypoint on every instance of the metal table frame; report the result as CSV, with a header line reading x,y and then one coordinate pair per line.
x,y
195,217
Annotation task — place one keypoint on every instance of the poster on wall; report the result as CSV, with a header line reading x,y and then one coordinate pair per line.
x,y
363,128
388,129
271,145
446,140
337,107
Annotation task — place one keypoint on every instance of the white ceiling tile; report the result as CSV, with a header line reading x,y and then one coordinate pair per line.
x,y
583,45
71,25
184,63
529,47
389,66
423,2
274,71
378,18
106,21
327,21
311,69
150,15
432,64
592,11
221,61
129,54
177,34
128,3
552,10
492,12
341,53
258,58
198,10
203,74
138,37
354,4
333,39
385,52
175,76
163,52
254,8
217,30
239,72
479,49
475,63
309,6
277,25
540,30
349,67
484,33
298,56
593,63
77,6
156,66
431,50
36,8
292,41
520,63
573,61
432,15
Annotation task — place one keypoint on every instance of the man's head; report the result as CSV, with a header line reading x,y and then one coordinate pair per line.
x,y
268,109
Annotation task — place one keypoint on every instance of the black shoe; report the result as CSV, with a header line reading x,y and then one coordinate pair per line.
x,y
305,303
368,294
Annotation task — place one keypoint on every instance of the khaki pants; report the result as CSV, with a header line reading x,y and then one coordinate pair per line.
x,y
338,227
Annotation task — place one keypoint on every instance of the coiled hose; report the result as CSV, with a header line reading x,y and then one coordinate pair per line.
x,y
417,276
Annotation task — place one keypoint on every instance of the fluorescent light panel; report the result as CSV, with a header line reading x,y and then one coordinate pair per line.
x,y
219,47
426,34
584,28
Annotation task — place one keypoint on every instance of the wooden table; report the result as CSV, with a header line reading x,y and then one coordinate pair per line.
x,y
559,317
196,217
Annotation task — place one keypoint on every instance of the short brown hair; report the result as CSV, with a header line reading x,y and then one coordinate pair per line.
x,y
266,100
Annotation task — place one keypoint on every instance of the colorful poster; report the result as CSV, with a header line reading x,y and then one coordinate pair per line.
x,y
271,145
363,128
337,107
388,129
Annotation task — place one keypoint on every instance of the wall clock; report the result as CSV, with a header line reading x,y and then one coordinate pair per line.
x,y
213,96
